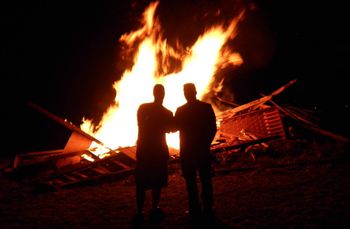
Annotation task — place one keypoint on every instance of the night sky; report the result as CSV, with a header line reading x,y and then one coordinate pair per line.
x,y
65,56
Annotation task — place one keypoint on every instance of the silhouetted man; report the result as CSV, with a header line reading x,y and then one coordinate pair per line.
x,y
197,124
152,154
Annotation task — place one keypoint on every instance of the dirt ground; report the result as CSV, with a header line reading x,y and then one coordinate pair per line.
x,y
279,192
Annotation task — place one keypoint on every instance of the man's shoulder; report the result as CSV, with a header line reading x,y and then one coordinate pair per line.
x,y
204,105
145,105
195,104
182,107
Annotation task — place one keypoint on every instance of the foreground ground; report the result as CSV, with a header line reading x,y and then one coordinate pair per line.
x,y
265,193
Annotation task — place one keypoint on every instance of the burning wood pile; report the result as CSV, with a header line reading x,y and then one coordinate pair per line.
x,y
244,129
253,126
94,152
250,125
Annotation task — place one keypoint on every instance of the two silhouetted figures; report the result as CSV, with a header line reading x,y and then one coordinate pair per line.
x,y
197,125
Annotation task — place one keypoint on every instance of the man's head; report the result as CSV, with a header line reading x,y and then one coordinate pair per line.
x,y
158,93
190,92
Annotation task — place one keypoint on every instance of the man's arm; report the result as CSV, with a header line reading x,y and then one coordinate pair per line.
x,y
170,122
212,123
175,122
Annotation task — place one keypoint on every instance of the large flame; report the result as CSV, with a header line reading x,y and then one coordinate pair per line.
x,y
199,63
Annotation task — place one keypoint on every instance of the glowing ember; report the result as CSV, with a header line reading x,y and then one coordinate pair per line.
x,y
118,127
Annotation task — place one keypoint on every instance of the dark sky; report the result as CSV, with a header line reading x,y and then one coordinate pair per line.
x,y
65,56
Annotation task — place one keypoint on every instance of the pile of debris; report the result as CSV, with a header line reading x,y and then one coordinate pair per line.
x,y
258,125
244,129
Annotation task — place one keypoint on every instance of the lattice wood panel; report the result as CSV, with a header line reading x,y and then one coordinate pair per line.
x,y
261,123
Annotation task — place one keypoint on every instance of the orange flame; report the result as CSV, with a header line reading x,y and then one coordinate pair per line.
x,y
118,127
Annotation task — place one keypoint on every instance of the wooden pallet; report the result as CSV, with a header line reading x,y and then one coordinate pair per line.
x,y
111,167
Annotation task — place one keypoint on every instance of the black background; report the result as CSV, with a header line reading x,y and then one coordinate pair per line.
x,y
65,56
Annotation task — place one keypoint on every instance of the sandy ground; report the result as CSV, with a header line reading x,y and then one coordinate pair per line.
x,y
265,193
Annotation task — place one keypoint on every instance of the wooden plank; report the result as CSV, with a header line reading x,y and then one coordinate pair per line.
x,y
57,182
113,166
80,175
101,170
122,165
258,102
67,124
71,178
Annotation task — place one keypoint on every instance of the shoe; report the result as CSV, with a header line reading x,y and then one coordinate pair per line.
x,y
156,215
137,219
